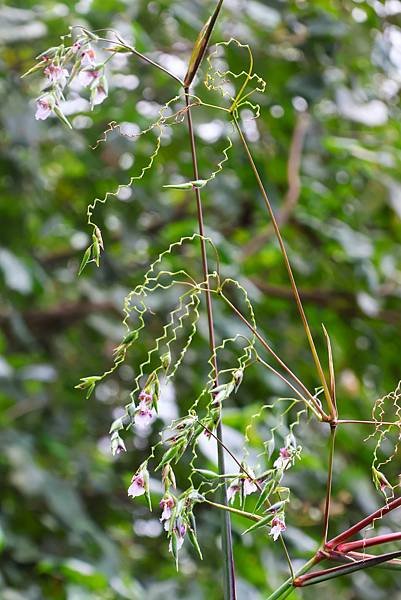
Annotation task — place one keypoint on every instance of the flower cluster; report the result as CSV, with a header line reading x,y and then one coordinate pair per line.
x,y
60,65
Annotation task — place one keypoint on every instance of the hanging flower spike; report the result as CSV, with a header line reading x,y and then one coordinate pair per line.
x,y
88,57
44,108
139,483
277,527
56,74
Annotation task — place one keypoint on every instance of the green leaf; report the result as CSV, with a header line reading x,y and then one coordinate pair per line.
x,y
85,259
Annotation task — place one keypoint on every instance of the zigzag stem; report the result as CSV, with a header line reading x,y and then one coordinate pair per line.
x,y
329,400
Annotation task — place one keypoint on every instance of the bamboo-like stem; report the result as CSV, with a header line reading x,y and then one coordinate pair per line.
x,y
329,484
331,573
367,543
287,587
377,514
329,400
229,569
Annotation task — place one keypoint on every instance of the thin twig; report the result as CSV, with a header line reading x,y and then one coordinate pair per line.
x,y
329,400
294,186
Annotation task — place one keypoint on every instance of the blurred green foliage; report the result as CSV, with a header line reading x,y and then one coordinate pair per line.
x,y
67,528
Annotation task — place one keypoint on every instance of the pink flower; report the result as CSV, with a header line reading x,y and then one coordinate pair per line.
x,y
143,415
88,76
283,460
166,504
232,491
44,108
145,396
249,487
179,532
277,526
76,47
99,94
88,57
56,74
137,487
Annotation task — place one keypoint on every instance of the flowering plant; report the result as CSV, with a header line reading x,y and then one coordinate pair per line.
x,y
261,487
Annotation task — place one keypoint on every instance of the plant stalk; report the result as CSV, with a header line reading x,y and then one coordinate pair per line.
x,y
227,545
329,484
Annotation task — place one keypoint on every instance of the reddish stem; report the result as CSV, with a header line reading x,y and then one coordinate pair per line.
x,y
373,541
333,543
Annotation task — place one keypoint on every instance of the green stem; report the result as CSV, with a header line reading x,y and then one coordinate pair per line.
x,y
236,511
298,301
287,588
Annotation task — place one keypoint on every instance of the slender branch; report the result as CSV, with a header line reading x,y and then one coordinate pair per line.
x,y
367,543
378,514
329,484
357,422
229,571
235,511
298,301
293,181
278,359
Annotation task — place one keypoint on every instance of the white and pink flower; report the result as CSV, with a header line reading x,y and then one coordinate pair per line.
x,y
44,108
88,76
76,47
179,532
139,483
56,74
88,57
284,459
277,527
166,504
143,415
248,483
99,94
